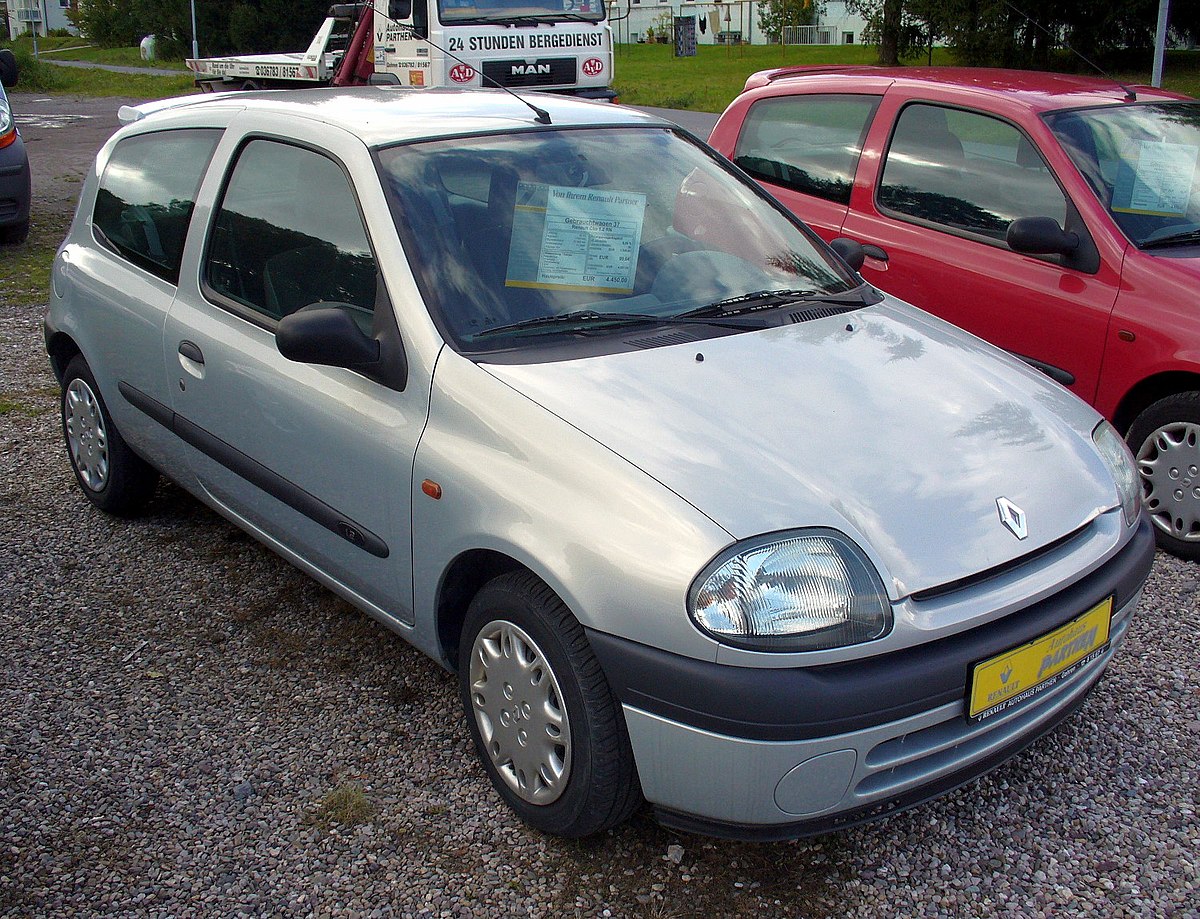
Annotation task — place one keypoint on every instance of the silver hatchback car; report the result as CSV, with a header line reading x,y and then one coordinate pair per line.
x,y
697,515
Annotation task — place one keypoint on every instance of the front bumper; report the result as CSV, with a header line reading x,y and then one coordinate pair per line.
x,y
773,754
15,187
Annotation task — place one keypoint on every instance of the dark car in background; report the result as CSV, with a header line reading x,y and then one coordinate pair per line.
x,y
1056,216
15,187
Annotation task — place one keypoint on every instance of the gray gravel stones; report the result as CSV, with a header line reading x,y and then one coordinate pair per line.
x,y
176,703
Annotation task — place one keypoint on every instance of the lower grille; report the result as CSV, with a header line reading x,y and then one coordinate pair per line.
x,y
548,72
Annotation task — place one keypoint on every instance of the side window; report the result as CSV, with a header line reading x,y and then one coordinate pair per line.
x,y
967,172
146,195
288,233
810,144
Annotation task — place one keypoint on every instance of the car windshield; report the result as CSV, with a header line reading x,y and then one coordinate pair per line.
x,y
526,236
1141,161
510,10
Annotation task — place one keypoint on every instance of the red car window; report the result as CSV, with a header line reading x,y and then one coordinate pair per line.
x,y
810,144
966,172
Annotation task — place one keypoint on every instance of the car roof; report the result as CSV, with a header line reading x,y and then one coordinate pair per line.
x,y
1040,91
393,114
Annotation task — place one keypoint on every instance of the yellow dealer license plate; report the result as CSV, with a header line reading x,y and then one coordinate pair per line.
x,y
1015,676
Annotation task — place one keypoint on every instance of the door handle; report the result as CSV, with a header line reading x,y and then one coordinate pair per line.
x,y
191,351
874,252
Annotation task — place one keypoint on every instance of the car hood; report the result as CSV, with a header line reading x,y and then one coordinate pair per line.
x,y
886,424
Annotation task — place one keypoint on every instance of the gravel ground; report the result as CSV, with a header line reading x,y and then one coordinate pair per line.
x,y
188,726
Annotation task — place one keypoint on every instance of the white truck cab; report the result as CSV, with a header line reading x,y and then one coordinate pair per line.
x,y
561,46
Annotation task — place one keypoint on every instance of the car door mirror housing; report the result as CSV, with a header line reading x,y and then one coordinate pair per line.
x,y
851,252
9,70
1040,236
325,334
399,9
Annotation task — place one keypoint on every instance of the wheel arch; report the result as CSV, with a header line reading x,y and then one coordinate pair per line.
x,y
1150,390
463,578
62,349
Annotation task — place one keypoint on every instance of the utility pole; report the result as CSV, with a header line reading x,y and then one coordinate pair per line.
x,y
195,43
1160,44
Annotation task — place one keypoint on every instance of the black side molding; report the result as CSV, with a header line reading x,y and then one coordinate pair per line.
x,y
1057,374
256,473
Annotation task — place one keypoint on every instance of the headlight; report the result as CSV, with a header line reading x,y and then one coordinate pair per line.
x,y
6,124
803,591
1124,471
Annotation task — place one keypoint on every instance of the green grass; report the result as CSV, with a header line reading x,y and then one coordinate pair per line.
x,y
25,269
40,76
651,75
80,49
347,805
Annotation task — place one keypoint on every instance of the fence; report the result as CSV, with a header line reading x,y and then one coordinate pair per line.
x,y
807,35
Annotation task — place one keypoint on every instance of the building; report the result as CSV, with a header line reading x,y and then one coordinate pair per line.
x,y
730,21
38,15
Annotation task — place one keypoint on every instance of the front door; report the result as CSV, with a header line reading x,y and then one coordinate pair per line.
x,y
951,182
318,459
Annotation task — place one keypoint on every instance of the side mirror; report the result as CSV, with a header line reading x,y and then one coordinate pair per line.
x,y
1040,236
851,252
8,68
399,9
322,334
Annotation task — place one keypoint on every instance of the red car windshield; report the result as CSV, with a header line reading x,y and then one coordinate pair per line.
x,y
1142,163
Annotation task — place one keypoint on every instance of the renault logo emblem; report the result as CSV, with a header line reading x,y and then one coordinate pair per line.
x,y
1012,517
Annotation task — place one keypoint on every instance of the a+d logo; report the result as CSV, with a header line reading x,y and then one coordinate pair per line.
x,y
1012,517
1005,674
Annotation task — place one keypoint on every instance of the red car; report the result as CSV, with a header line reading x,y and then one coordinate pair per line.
x,y
1056,216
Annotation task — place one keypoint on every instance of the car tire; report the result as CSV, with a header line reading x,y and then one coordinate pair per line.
x,y
16,233
112,476
545,724
1165,440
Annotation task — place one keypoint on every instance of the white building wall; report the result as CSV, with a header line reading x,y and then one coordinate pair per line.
x,y
739,17
40,15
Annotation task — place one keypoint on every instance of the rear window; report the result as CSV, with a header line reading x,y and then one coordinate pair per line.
x,y
146,195
810,144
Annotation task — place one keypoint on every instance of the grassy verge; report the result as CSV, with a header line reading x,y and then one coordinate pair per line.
x,y
40,76
78,49
651,75
25,269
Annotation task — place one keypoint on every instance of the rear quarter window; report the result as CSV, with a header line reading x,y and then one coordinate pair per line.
x,y
810,144
146,196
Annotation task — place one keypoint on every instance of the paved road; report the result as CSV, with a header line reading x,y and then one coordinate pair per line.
x,y
699,123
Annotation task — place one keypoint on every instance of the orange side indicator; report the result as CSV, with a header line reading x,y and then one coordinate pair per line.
x,y
432,488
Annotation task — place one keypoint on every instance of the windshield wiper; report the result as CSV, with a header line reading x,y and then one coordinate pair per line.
x,y
773,299
587,318
1185,238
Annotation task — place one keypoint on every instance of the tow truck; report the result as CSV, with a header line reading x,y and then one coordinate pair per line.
x,y
561,46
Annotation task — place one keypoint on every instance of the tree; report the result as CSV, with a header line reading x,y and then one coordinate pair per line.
x,y
775,15
1015,33
894,26
223,26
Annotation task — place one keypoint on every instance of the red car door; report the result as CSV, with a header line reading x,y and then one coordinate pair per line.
x,y
936,189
